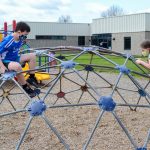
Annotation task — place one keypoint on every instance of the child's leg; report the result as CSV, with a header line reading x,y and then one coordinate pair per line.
x,y
17,67
31,59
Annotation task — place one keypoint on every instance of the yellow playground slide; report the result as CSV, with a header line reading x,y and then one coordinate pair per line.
x,y
40,76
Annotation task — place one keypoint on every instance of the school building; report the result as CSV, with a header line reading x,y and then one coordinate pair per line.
x,y
120,33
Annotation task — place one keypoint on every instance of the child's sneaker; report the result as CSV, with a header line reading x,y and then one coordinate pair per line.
x,y
33,81
32,93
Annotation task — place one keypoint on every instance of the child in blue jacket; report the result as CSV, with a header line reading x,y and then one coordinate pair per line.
x,y
11,60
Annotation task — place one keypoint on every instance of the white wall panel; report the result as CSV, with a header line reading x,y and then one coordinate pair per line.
x,y
147,20
67,29
125,23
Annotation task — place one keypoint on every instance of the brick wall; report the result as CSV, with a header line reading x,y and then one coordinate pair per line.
x,y
70,41
136,39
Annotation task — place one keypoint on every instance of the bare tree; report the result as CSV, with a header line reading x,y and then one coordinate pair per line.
x,y
113,11
65,19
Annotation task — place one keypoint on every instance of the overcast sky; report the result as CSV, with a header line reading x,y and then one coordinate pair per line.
x,y
82,11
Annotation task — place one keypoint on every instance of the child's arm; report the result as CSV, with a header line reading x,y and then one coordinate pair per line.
x,y
143,63
6,43
3,46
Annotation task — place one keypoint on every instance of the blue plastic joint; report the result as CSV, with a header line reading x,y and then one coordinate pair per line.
x,y
141,148
88,68
8,75
68,64
37,108
106,103
123,69
142,92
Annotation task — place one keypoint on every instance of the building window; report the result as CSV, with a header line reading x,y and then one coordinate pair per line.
x,y
81,40
127,43
102,40
50,37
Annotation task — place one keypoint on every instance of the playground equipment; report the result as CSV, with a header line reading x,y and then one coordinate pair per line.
x,y
25,47
74,75
5,30
40,76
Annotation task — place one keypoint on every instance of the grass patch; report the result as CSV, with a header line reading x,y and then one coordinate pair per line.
x,y
110,61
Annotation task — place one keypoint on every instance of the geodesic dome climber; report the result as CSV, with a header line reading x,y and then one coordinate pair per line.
x,y
108,88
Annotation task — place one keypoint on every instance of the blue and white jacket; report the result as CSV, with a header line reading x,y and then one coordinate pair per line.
x,y
9,49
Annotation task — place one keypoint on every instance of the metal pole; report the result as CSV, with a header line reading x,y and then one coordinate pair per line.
x,y
24,133
93,131
136,82
23,91
55,131
125,130
120,75
86,82
147,139
11,113
53,84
